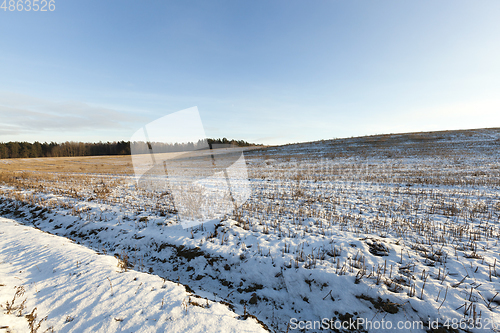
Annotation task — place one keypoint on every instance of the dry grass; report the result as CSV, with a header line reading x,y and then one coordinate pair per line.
x,y
107,165
88,165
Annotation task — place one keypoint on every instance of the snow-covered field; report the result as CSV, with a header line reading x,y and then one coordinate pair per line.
x,y
71,288
383,233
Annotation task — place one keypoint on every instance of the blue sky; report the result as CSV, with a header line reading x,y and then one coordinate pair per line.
x,y
265,71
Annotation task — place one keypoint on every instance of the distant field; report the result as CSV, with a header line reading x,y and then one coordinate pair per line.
x,y
116,164
90,164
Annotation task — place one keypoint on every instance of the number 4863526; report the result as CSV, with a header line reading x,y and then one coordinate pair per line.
x,y
28,5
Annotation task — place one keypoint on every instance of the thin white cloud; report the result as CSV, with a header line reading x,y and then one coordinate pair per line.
x,y
24,114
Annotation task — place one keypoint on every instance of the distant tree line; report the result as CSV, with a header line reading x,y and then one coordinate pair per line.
x,y
239,143
16,149
26,149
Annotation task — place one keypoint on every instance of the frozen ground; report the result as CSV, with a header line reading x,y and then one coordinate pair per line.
x,y
401,229
78,290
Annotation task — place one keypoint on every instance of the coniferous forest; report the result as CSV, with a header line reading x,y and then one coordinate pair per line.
x,y
15,149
